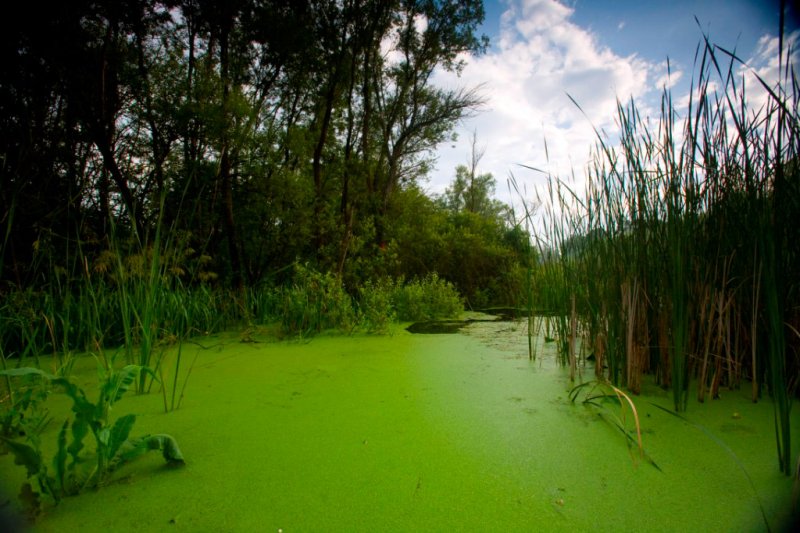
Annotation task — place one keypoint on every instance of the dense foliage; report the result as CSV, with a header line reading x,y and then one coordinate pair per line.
x,y
255,133
167,166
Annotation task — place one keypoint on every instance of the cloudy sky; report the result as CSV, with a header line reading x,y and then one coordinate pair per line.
x,y
595,51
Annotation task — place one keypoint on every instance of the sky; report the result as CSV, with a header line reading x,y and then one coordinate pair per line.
x,y
543,52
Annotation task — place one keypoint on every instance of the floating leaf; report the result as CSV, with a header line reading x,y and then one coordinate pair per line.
x,y
25,371
80,428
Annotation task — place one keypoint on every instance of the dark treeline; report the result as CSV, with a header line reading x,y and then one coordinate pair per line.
x,y
256,134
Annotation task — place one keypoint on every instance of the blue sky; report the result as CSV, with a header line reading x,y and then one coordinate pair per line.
x,y
596,51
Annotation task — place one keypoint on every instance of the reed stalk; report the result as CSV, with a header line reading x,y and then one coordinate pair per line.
x,y
527,220
681,254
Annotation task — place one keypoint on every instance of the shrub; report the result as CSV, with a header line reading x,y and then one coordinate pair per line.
x,y
315,302
375,307
427,299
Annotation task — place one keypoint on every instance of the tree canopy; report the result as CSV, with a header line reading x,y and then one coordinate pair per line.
x,y
258,132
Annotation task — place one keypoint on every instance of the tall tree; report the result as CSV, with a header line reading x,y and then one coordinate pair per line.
x,y
471,191
275,130
413,115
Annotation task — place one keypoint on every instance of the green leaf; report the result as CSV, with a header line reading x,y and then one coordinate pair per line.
x,y
573,394
26,456
102,436
60,458
119,434
169,449
120,382
139,446
80,405
26,371
80,427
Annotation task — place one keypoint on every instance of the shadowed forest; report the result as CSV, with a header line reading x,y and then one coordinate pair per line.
x,y
254,135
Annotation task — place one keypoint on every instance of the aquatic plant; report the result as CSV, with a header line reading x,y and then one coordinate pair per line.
x,y
25,413
681,252
601,393
526,221
73,468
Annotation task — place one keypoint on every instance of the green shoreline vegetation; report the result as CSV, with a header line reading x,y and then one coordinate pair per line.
x,y
175,173
681,260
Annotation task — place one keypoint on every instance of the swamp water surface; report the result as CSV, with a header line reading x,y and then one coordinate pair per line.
x,y
410,432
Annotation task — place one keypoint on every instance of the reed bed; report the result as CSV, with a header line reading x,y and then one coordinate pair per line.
x,y
681,257
135,305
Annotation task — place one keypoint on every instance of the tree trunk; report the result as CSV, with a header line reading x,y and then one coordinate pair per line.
x,y
226,179
330,96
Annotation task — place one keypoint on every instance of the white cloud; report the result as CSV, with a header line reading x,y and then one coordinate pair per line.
x,y
762,65
540,57
420,23
765,66
668,79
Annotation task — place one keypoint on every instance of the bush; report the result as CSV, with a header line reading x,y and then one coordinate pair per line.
x,y
376,311
315,302
427,299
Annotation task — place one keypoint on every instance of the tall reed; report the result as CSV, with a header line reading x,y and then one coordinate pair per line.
x,y
681,254
529,210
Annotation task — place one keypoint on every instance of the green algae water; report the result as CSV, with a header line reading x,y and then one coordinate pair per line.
x,y
409,432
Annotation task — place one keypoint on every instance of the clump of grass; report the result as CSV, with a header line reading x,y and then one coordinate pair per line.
x,y
600,394
681,255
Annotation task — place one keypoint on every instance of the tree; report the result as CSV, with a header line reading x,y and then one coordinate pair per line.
x,y
270,131
413,116
471,191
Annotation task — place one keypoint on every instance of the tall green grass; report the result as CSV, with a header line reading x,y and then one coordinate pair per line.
x,y
528,211
681,254
139,302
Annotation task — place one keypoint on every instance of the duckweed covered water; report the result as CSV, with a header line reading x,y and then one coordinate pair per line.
x,y
421,432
